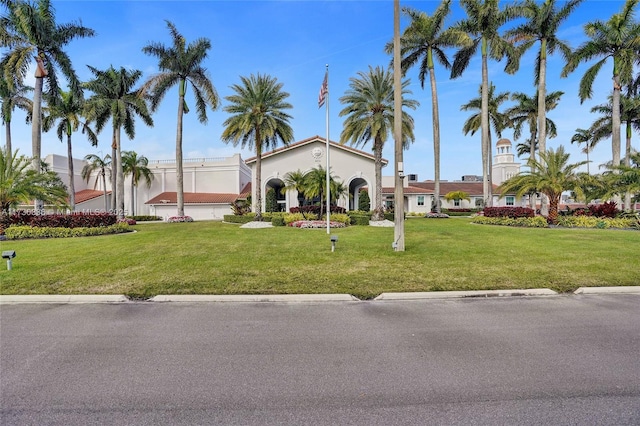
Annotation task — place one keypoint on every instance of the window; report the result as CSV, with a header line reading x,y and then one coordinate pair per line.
x,y
511,201
421,200
456,203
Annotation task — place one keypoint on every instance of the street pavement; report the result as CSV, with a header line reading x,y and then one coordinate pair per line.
x,y
550,360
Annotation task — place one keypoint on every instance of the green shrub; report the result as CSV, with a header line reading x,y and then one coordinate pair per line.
x,y
359,217
278,221
364,202
293,217
24,232
231,218
528,222
144,218
339,217
596,222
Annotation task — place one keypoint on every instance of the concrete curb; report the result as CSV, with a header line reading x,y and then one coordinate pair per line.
x,y
463,294
251,298
608,290
63,298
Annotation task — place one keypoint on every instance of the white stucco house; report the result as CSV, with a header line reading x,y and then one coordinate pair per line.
x,y
211,185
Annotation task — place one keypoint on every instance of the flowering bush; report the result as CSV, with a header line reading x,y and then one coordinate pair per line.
x,y
315,224
175,219
127,220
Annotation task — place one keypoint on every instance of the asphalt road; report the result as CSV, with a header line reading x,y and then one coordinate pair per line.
x,y
561,360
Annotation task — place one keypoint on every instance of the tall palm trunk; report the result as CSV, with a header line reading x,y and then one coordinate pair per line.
x,y
72,187
532,156
7,133
378,212
179,169
36,132
615,119
484,126
114,164
120,179
104,188
627,163
133,197
542,113
553,208
258,202
436,132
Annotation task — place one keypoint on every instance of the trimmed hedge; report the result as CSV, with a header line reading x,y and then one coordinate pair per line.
x,y
73,220
512,212
144,218
596,222
25,232
528,222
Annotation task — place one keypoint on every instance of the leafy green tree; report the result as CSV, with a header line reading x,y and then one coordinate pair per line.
x,y
626,180
138,167
542,26
115,98
423,43
29,30
483,23
180,65
103,167
19,183
271,201
550,175
315,186
364,202
369,108
618,39
258,121
11,97
65,115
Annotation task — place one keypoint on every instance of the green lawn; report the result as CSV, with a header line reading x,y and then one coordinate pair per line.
x,y
218,258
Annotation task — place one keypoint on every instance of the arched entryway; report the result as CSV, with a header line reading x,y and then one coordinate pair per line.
x,y
274,196
355,186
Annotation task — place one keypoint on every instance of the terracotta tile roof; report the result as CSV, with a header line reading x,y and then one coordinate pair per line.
x,y
310,140
193,198
88,194
471,188
246,191
407,190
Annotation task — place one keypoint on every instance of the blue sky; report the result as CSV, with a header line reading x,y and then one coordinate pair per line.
x,y
293,41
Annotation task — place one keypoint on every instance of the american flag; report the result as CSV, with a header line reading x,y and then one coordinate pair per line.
x,y
324,89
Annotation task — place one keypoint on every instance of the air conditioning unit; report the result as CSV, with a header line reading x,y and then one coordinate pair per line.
x,y
413,178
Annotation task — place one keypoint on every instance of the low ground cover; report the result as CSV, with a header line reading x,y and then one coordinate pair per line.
x,y
220,258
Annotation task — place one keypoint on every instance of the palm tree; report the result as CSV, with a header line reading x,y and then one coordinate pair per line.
x,y
526,112
457,196
137,167
551,175
67,112
423,42
19,183
484,19
181,65
294,181
115,98
626,179
102,166
315,185
619,39
30,31
542,25
369,110
498,120
601,128
583,136
258,121
11,97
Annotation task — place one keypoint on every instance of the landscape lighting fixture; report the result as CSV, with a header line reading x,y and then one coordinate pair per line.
x,y
334,240
8,254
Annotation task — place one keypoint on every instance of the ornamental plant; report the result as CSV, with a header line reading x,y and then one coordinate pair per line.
x,y
176,219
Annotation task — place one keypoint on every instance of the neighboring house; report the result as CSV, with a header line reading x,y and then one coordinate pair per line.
x,y
212,185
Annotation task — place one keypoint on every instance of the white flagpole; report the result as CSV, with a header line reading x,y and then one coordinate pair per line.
x,y
328,191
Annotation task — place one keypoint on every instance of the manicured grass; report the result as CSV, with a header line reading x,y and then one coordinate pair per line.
x,y
218,258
